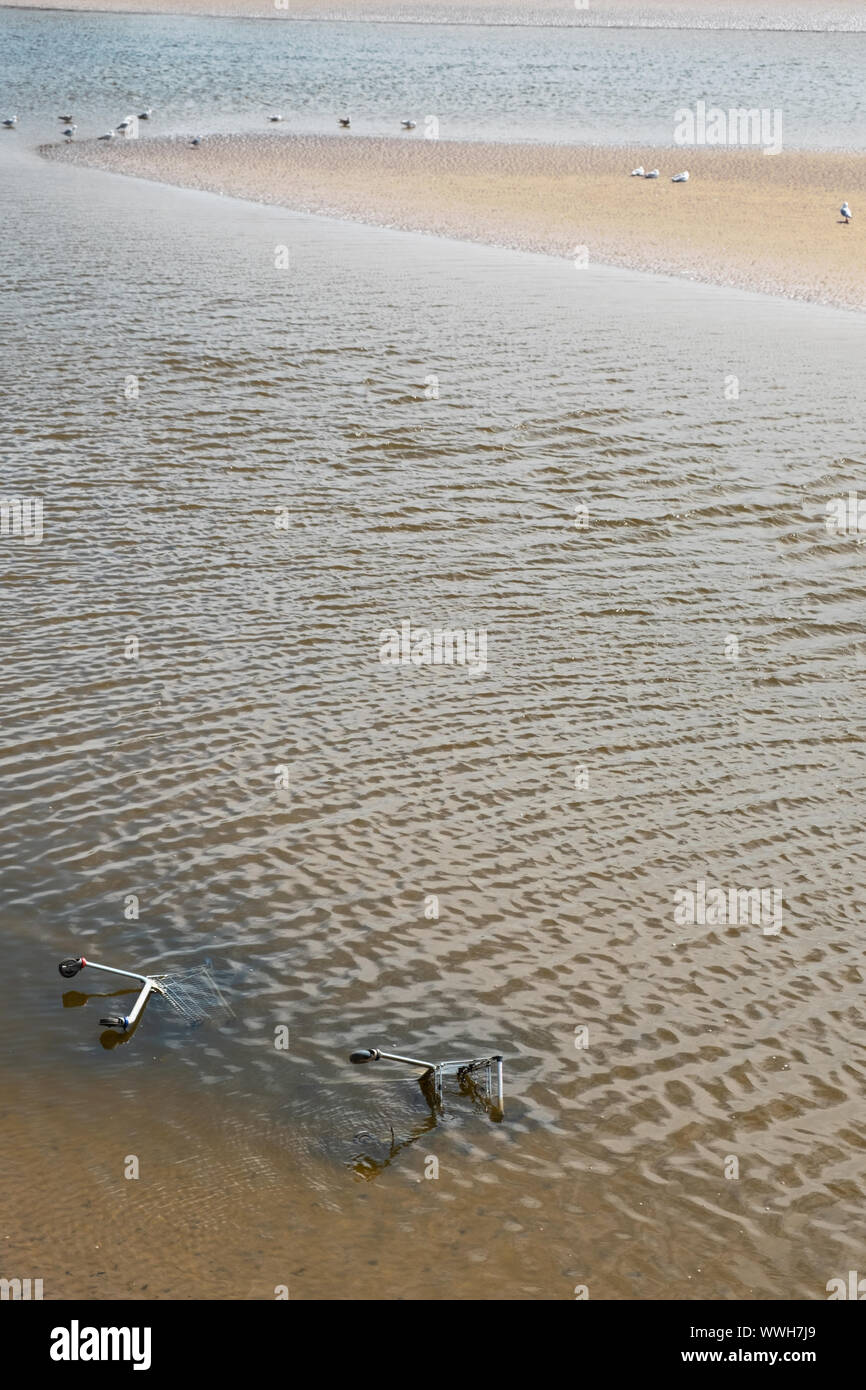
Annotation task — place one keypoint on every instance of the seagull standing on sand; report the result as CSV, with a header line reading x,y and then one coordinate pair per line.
x,y
681,178
653,174
109,135
11,122
637,173
846,213
408,125
69,131
345,122
196,141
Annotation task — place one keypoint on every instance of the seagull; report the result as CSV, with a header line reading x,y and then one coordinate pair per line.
x,y
681,178
637,173
345,122
408,125
11,122
846,212
66,119
196,141
125,124
69,131
109,135
276,116
146,114
653,174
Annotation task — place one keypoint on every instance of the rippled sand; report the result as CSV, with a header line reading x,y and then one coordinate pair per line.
x,y
698,14
768,224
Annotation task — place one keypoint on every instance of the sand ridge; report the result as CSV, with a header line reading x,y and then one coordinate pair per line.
x,y
765,223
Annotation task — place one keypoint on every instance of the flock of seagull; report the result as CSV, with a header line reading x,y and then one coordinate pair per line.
x,y
640,173
845,212
69,126
345,122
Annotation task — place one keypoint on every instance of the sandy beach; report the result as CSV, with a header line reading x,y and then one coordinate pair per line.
x,y
768,224
698,14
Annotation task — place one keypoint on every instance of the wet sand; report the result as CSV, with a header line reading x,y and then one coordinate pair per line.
x,y
763,223
697,14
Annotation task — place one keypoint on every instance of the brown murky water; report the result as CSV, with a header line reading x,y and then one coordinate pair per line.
x,y
616,750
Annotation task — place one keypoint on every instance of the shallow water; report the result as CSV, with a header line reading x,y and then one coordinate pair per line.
x,y
305,390
607,86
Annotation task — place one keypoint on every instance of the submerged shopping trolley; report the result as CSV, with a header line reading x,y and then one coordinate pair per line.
x,y
483,1075
193,993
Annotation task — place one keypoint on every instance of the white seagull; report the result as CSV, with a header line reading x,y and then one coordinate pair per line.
x,y
681,178
653,174
846,212
637,173
196,141
146,114
125,124
109,135
275,117
69,131
11,122
408,125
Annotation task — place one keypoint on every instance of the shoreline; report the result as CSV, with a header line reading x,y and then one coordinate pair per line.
x,y
768,224
768,16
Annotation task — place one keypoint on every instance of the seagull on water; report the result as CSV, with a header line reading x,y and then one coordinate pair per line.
x,y
637,173
275,117
65,119
125,124
846,213
653,174
11,122
408,125
681,178
345,122
146,114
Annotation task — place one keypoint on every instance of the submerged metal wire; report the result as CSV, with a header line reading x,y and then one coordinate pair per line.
x,y
480,1077
194,994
